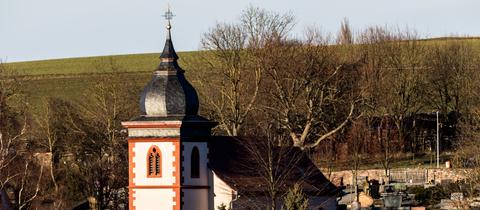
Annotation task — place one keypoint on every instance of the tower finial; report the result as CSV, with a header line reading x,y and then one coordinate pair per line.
x,y
168,16
169,56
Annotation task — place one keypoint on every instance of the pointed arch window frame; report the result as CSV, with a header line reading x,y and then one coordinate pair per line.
x,y
195,163
154,156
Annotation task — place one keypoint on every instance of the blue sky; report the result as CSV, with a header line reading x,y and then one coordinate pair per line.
x,y
46,29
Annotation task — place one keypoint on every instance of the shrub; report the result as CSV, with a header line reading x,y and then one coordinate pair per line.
x,y
223,207
429,196
295,199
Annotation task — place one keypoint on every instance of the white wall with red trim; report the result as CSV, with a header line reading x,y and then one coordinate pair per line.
x,y
140,160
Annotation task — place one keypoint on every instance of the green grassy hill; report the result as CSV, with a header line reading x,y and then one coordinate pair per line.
x,y
87,65
474,42
69,78
141,62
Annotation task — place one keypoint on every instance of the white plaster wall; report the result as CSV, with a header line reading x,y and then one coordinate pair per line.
x,y
195,199
187,151
222,192
153,199
140,160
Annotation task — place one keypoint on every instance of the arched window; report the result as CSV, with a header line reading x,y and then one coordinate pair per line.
x,y
154,162
195,163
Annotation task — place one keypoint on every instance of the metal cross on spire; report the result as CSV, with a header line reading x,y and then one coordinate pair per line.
x,y
168,16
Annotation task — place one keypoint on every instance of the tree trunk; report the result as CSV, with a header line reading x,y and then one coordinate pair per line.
x,y
52,174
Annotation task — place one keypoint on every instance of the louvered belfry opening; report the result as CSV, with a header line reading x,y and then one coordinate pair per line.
x,y
154,162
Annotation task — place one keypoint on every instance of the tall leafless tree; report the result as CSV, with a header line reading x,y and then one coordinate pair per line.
x,y
230,95
262,26
104,152
405,77
18,171
235,75
451,71
49,137
357,137
395,73
234,72
313,94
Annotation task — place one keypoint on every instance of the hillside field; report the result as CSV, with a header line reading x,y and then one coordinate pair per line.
x,y
68,78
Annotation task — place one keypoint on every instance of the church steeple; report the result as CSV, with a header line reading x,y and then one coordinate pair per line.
x,y
169,93
168,57
168,143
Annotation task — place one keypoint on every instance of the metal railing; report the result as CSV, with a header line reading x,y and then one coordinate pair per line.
x,y
408,176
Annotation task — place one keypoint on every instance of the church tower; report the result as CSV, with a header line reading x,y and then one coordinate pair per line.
x,y
167,144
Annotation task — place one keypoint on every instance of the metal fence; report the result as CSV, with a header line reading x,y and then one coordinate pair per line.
x,y
408,176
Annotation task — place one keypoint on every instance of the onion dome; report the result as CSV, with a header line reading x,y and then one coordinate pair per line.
x,y
168,93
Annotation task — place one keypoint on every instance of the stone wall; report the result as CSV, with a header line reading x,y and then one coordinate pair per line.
x,y
432,174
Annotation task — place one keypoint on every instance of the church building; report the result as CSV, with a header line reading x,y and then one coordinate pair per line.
x,y
175,163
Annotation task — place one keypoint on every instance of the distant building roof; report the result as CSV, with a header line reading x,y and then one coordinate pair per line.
x,y
236,161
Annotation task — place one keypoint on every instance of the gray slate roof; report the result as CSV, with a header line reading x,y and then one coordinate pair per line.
x,y
232,160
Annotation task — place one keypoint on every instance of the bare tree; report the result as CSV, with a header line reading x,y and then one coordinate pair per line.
x,y
11,131
23,191
395,70
357,137
231,95
91,144
404,79
262,26
272,167
62,134
374,90
16,173
233,82
54,137
385,142
451,68
466,154
103,153
8,156
313,95
49,137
